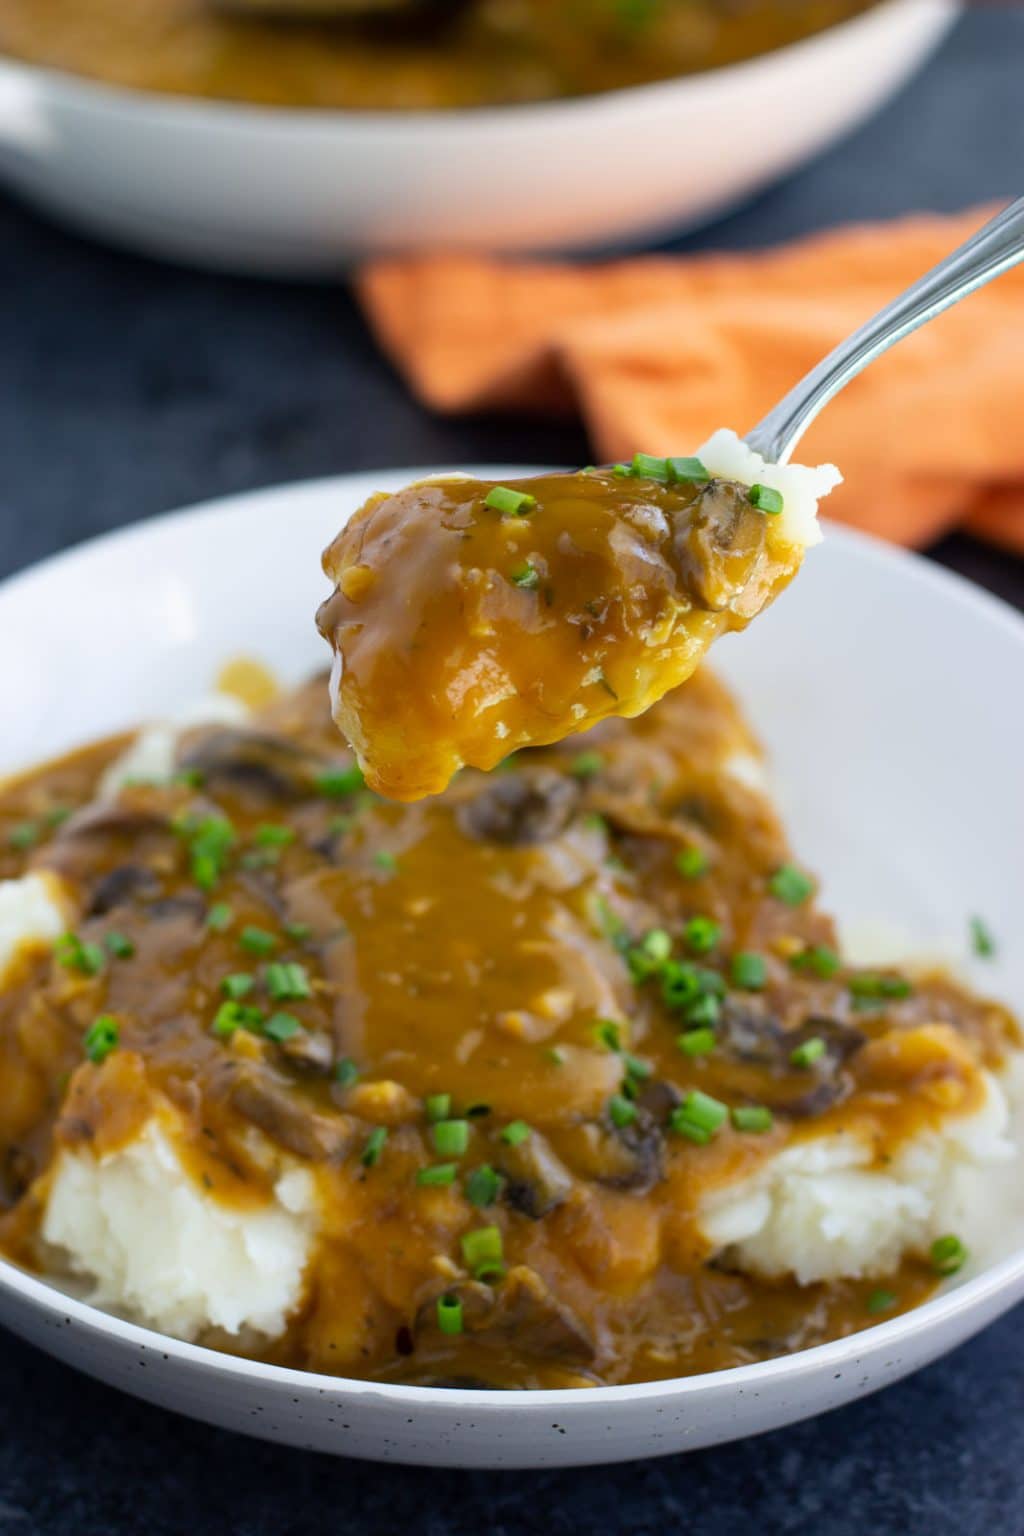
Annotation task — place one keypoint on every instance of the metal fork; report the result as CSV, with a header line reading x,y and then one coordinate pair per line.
x,y
997,246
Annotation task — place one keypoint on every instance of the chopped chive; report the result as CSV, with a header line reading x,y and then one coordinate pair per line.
x,y
698,1112
439,1173
219,917
869,989
656,944
686,470
74,955
982,942
287,981
282,1026
680,984
101,1038
371,1152
257,941
621,471
808,1052
749,970
515,1133
24,836
270,835
696,1042
346,1072
438,1106
449,1314
483,1186
237,985
586,765
234,1015
691,863
766,499
298,931
881,1301
817,958
701,934
260,858
791,885
947,1254
704,1010
339,783
120,946
209,841
510,503
621,1112
637,1067
526,576
648,467
384,860
753,1118
57,816
482,1246
555,1055
450,1137
609,1034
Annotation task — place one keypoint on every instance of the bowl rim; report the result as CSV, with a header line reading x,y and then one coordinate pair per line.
x,y
947,1305
174,109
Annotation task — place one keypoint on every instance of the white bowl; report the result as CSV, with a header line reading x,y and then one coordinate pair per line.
x,y
281,192
882,689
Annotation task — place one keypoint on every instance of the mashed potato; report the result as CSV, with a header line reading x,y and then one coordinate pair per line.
x,y
156,1248
33,912
824,1210
802,486
151,755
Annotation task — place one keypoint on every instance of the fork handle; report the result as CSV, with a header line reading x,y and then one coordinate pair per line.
x,y
995,248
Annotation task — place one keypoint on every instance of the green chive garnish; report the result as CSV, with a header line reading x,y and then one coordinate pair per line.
x,y
687,471
346,1072
482,1246
648,467
748,970
119,945
621,1112
440,1173
515,1133
586,765
704,1010
808,1052
237,985
24,836
791,885
766,499
73,955
450,1137
101,1037
526,576
438,1106
219,917
270,835
483,1186
609,1034
755,1119
449,1314
371,1152
510,503
282,1026
339,783
869,989
210,841
982,941
691,863
233,1015
257,941
947,1254
818,959
696,1042
881,1301
287,981
699,1116
300,932
384,860
701,934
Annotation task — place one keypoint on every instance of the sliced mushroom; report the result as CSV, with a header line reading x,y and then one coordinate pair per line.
x,y
752,1035
519,1309
271,766
122,886
531,805
319,1138
310,1051
536,1181
718,545
620,1157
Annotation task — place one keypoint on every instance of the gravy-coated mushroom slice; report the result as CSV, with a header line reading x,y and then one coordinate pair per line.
x,y
470,619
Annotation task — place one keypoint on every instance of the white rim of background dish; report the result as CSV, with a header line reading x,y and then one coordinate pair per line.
x,y
945,1306
221,112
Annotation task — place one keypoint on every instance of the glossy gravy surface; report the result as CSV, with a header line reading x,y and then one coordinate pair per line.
x,y
488,51
492,946
471,619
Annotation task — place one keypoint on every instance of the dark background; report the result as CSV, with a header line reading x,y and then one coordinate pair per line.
x,y
129,388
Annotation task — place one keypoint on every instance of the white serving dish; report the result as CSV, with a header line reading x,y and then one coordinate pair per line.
x,y
883,689
303,193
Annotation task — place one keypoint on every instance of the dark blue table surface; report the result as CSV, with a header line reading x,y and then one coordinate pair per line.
x,y
129,388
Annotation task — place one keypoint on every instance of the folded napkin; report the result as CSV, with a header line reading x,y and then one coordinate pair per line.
x,y
656,352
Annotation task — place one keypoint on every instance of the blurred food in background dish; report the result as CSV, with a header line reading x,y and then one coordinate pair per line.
x,y
401,54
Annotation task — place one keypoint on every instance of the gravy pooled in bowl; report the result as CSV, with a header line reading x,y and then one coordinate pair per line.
x,y
556,1079
471,619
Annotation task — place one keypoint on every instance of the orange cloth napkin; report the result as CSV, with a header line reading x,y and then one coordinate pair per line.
x,y
656,352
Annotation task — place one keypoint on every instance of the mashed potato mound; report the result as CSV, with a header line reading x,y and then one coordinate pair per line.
x,y
821,1211
802,486
160,1250
151,755
32,912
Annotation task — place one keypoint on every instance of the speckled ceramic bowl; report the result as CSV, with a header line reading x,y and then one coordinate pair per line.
x,y
303,193
879,685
